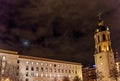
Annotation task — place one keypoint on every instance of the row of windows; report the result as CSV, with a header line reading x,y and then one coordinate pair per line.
x,y
54,76
45,64
44,75
51,70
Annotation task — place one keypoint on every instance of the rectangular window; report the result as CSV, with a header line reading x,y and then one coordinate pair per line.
x,y
42,69
37,68
18,61
32,68
27,74
50,69
32,74
26,79
27,68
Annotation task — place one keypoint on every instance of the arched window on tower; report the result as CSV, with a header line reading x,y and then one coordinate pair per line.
x,y
109,48
104,37
98,38
99,48
108,37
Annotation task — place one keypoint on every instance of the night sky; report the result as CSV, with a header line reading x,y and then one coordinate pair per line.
x,y
57,29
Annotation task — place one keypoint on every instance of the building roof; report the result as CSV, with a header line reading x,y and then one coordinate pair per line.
x,y
50,60
8,52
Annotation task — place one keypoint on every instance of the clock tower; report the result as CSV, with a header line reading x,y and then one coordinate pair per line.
x,y
104,56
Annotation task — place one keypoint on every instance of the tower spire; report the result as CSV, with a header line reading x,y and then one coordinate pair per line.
x,y
100,22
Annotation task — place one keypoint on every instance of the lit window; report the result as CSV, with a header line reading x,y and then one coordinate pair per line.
x,y
101,63
46,64
3,64
58,75
50,75
58,65
27,62
50,65
46,75
42,64
37,63
3,58
41,75
54,75
37,74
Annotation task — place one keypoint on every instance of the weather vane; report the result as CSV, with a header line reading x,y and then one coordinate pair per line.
x,y
99,15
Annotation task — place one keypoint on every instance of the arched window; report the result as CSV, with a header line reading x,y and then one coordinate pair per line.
x,y
99,49
104,37
109,48
108,37
98,38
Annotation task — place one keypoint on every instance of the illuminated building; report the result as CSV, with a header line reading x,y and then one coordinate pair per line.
x,y
41,69
104,57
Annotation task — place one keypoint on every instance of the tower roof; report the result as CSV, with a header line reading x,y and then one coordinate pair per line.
x,y
101,27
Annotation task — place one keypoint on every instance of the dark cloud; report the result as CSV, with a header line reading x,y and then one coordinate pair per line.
x,y
59,29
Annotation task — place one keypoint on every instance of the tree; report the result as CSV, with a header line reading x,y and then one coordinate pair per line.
x,y
99,75
89,74
66,79
9,71
114,73
77,79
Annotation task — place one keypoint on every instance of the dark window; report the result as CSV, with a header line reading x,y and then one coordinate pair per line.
x,y
66,71
100,56
54,65
98,38
18,61
62,71
50,69
46,69
58,70
27,68
76,72
37,68
42,69
104,37
109,48
26,79
99,49
32,68
26,73
55,70
32,74
69,71
108,37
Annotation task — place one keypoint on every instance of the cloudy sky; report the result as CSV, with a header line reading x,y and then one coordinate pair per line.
x,y
57,29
